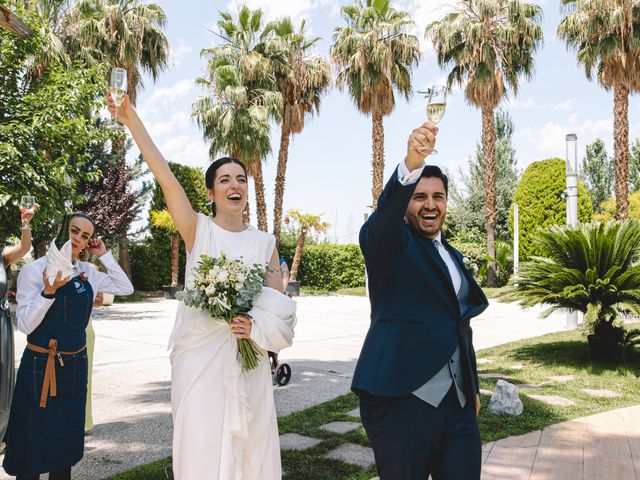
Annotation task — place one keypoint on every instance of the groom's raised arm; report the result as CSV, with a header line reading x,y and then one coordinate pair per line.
x,y
381,235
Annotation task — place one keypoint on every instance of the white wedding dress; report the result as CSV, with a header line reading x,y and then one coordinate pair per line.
x,y
224,420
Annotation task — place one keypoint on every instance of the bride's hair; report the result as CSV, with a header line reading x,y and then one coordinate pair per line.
x,y
210,175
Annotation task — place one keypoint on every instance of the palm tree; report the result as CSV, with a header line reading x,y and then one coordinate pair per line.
x,y
488,45
604,33
375,55
592,268
122,33
304,223
235,117
301,79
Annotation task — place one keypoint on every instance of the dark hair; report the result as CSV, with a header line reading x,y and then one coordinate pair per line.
x,y
431,171
210,175
86,217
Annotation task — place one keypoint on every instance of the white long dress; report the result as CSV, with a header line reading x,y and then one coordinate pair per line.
x,y
225,423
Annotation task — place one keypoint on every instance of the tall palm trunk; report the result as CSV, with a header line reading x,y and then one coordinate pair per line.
x,y
621,148
261,203
283,156
175,257
489,173
302,237
123,241
378,158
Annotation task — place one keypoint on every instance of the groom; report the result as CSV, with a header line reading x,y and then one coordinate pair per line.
x,y
416,376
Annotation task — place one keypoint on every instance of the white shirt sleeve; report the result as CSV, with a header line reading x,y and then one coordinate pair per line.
x,y
32,307
405,177
115,281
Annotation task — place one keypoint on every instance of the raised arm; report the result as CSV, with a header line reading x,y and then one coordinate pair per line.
x,y
381,235
14,253
184,217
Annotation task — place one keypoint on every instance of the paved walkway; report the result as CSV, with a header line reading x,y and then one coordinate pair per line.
x,y
602,446
131,382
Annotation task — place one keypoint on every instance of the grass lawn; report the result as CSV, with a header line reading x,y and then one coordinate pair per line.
x,y
532,361
492,292
355,291
138,296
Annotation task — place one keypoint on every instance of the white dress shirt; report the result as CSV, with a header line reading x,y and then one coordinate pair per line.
x,y
405,177
32,306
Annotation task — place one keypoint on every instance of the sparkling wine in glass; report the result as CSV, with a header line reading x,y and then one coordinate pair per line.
x,y
436,98
118,90
27,204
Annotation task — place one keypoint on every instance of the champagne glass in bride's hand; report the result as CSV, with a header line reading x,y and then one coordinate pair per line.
x,y
436,98
118,90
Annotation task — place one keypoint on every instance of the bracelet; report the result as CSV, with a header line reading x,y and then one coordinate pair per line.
x,y
49,296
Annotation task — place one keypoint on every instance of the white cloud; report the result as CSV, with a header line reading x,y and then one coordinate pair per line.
x,y
566,105
423,13
178,52
296,9
549,140
514,103
176,122
163,97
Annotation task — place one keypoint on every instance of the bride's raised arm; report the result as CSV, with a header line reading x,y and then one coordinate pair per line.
x,y
184,217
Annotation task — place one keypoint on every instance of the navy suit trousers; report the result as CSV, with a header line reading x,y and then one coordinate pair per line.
x,y
412,439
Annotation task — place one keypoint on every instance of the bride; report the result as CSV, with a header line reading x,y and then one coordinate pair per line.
x,y
224,419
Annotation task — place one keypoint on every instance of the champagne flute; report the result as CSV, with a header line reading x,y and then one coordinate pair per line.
x,y
118,90
436,105
27,204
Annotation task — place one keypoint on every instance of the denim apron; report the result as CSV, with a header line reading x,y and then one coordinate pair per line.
x,y
51,437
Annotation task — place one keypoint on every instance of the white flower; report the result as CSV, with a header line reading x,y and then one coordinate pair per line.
x,y
210,290
239,286
240,278
222,276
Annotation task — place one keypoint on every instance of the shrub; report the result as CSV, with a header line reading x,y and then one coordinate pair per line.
x,y
539,197
591,268
327,266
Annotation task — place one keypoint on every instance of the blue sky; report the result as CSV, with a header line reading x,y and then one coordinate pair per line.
x,y
330,161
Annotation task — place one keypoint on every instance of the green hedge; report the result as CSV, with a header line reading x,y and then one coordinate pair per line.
x,y
324,266
540,202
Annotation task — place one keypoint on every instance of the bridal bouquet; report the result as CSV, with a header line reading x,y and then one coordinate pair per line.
x,y
225,288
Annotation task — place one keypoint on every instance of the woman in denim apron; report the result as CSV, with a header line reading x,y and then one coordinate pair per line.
x,y
46,423
9,256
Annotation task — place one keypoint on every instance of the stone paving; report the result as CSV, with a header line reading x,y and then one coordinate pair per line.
x,y
606,445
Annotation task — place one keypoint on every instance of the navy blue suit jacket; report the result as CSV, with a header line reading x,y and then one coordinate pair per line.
x,y
415,316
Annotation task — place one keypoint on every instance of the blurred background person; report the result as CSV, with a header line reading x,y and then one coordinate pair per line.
x,y
8,256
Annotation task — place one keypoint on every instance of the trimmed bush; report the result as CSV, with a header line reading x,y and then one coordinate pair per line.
x,y
327,266
539,197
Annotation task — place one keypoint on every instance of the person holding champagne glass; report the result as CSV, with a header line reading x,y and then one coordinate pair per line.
x,y
47,417
224,418
8,256
423,421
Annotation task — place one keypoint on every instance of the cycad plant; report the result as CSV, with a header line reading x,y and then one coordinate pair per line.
x,y
592,268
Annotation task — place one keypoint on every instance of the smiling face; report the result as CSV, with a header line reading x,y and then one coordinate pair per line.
x,y
80,232
229,190
428,207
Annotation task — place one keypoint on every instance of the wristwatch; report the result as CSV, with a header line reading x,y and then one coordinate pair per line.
x,y
47,295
